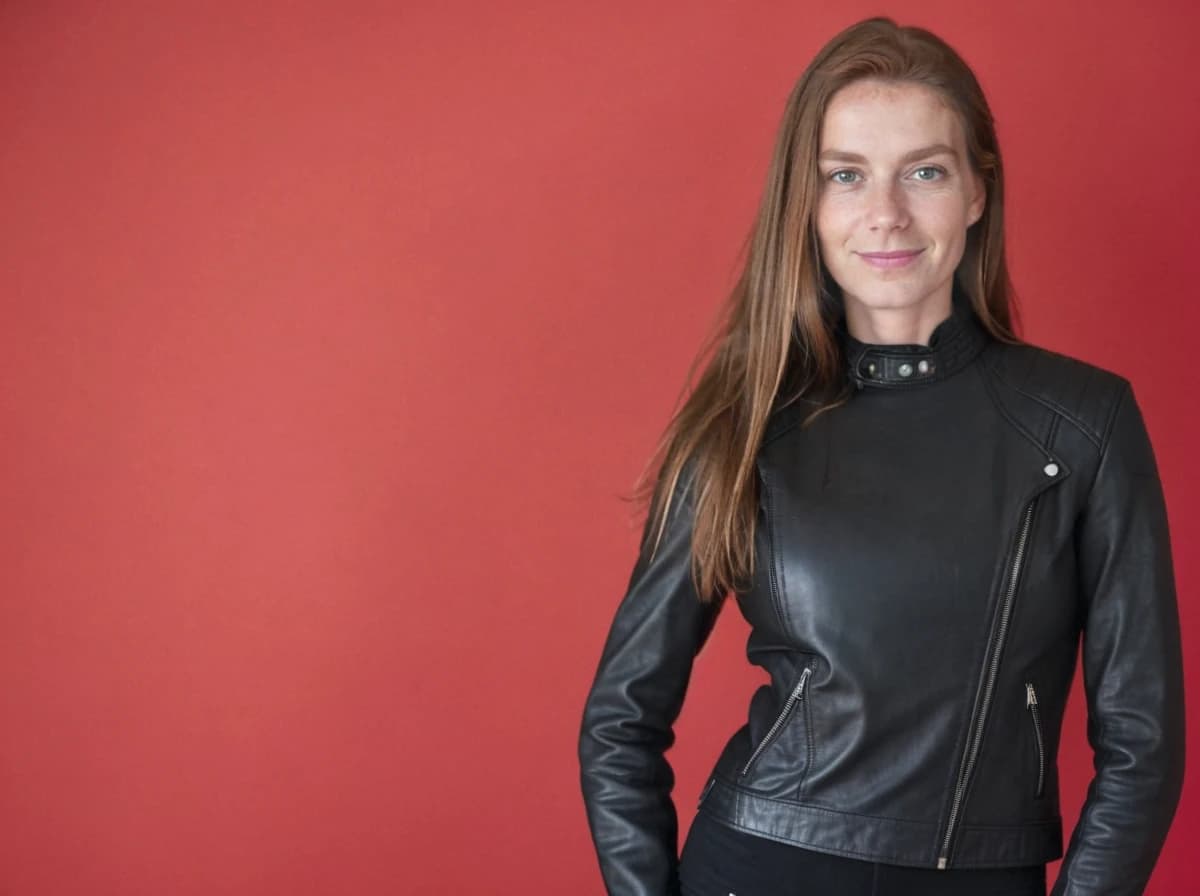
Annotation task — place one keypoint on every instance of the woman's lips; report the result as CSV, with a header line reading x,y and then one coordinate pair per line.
x,y
890,259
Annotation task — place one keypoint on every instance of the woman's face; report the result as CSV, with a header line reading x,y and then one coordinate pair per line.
x,y
894,177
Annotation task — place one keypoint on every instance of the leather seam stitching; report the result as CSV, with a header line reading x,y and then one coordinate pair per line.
x,y
1104,446
742,792
1053,405
1093,437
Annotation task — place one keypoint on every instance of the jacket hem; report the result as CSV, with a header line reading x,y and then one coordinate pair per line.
x,y
874,838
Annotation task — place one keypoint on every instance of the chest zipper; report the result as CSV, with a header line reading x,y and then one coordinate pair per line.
x,y
971,750
1031,702
790,704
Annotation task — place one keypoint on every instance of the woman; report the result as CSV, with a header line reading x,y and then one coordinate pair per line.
x,y
919,515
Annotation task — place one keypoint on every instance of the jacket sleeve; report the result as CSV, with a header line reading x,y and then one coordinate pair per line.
x,y
1132,669
659,626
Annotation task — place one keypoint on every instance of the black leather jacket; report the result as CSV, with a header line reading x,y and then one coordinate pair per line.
x,y
931,553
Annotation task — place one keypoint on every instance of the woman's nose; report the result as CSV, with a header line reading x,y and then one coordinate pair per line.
x,y
886,206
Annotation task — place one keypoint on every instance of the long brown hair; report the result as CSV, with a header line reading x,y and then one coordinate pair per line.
x,y
774,341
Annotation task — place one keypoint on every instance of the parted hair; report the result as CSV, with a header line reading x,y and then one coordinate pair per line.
x,y
774,340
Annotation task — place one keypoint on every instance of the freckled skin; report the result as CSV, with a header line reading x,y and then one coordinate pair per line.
x,y
885,204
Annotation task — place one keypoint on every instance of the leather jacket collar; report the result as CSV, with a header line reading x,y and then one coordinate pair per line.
x,y
954,343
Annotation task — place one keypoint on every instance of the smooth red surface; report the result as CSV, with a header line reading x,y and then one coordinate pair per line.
x,y
331,334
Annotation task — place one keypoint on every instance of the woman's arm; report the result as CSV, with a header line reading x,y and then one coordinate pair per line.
x,y
638,692
1132,669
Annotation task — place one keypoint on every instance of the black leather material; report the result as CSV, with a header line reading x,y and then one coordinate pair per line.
x,y
927,558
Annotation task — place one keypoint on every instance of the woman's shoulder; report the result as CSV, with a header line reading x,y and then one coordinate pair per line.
x,y
1081,390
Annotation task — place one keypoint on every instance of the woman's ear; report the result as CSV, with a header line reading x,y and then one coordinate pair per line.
x,y
978,201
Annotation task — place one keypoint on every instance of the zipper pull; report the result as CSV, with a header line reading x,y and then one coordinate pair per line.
x,y
1030,696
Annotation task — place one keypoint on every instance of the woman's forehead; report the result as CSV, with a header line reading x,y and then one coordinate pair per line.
x,y
888,119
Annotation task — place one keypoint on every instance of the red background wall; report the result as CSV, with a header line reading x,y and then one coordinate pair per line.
x,y
331,335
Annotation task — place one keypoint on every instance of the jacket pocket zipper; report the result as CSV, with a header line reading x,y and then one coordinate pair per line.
x,y
1031,702
789,705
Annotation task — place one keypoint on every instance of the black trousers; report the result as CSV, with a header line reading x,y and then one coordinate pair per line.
x,y
721,861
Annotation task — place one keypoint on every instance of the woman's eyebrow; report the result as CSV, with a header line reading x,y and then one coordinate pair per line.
x,y
838,155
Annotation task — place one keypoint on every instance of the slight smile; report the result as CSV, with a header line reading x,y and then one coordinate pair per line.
x,y
890,259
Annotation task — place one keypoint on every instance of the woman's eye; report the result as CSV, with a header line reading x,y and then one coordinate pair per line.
x,y
926,174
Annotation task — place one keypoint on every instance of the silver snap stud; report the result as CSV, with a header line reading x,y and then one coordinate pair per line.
x,y
871,368
906,369
1050,469
923,366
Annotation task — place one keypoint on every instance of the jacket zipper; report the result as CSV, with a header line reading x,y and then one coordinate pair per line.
x,y
1031,702
967,763
788,706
